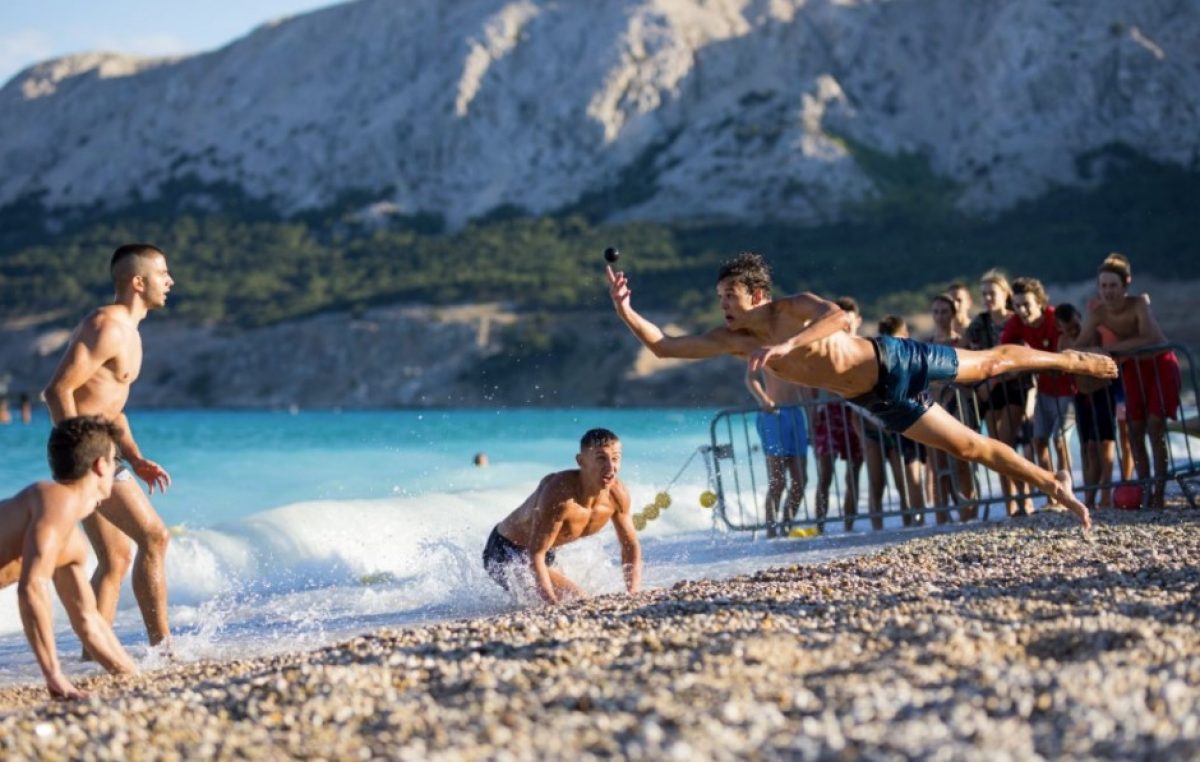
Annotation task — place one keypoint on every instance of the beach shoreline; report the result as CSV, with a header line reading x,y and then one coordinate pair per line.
x,y
1017,639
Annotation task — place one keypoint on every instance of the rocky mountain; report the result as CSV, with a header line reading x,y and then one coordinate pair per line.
x,y
637,109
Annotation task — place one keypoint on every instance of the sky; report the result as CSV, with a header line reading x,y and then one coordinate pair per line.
x,y
35,30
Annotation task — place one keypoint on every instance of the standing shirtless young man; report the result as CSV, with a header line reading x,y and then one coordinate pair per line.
x,y
102,360
804,339
565,507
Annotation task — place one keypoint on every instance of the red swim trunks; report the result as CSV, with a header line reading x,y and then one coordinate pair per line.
x,y
1151,386
833,434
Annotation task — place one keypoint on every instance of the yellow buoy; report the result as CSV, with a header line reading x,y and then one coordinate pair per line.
x,y
651,512
639,521
708,498
662,500
803,532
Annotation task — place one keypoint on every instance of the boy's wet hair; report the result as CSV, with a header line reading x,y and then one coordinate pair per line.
x,y
76,443
1031,286
847,304
891,325
750,269
597,438
1066,313
1119,266
118,266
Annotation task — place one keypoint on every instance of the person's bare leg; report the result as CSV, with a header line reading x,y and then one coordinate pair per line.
x,y
824,483
873,456
1141,456
916,493
130,511
1126,449
1091,471
1105,455
937,428
775,486
978,365
114,556
797,468
850,499
1157,431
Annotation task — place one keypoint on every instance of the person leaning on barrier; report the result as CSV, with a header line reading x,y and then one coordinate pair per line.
x,y
835,436
1033,325
1152,381
1001,400
945,473
1095,417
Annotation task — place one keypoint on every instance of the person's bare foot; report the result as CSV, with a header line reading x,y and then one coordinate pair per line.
x,y
1065,496
1092,364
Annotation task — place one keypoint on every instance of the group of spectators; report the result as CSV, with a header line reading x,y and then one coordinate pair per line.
x,y
24,408
1121,425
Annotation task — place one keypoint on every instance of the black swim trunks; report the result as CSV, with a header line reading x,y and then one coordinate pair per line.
x,y
503,559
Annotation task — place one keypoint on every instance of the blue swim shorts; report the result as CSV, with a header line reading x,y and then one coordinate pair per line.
x,y
906,368
784,433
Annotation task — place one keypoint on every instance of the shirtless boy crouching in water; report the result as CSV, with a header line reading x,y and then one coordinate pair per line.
x,y
804,339
565,507
39,542
102,360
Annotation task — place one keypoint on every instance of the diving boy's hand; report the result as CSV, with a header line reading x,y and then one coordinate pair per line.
x,y
760,357
619,289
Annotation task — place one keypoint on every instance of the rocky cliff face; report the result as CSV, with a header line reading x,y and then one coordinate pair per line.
x,y
657,109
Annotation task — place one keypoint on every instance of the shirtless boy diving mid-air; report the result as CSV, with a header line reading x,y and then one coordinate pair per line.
x,y
804,339
39,542
566,506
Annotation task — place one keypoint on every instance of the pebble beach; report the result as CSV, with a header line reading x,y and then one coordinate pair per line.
x,y
1019,640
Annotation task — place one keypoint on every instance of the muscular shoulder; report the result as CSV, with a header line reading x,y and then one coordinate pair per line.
x,y
557,490
102,329
620,497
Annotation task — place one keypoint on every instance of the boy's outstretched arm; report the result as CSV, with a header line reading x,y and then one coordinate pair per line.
x,y
689,347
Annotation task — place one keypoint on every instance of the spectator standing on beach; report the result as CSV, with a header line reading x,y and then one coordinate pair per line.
x,y
963,304
26,408
951,478
783,432
1152,380
5,415
1034,325
1002,400
1095,416
102,360
898,450
835,436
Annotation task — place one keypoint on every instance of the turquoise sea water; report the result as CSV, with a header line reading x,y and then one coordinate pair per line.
x,y
295,529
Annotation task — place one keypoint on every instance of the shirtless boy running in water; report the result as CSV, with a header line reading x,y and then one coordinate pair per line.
x,y
565,507
101,362
804,339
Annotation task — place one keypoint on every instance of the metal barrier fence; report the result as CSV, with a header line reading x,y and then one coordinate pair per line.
x,y
812,476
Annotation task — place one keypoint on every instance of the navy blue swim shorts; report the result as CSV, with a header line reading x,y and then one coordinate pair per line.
x,y
906,368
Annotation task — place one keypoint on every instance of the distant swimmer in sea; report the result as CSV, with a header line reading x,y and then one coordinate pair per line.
x,y
102,360
39,543
804,339
565,507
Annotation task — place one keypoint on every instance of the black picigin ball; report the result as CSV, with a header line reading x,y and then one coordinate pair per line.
x,y
611,255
